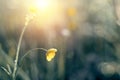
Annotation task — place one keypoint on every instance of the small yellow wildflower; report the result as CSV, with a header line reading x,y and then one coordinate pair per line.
x,y
71,12
33,9
50,54
72,26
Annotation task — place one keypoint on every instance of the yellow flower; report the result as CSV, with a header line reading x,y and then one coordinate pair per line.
x,y
71,12
50,54
33,9
72,26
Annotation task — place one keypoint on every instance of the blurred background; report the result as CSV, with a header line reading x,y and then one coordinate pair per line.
x,y
85,33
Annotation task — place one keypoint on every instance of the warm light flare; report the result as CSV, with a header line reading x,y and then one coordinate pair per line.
x,y
48,12
40,5
43,4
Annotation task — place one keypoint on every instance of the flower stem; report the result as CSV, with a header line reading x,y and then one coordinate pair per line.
x,y
17,53
28,18
29,52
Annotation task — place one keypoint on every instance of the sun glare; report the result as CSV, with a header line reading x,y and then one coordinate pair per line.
x,y
43,4
47,11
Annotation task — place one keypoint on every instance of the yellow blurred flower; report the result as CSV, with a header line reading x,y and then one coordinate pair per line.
x,y
50,54
33,9
71,12
72,26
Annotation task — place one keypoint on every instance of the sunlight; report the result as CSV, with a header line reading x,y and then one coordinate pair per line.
x,y
43,4
47,11
40,5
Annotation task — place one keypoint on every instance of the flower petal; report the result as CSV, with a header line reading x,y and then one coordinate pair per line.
x,y
50,54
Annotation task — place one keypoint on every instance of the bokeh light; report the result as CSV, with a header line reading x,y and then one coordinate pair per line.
x,y
108,69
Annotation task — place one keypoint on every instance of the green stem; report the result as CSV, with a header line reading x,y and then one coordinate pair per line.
x,y
17,53
29,52
28,18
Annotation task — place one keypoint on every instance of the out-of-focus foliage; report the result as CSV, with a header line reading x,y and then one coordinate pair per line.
x,y
85,33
